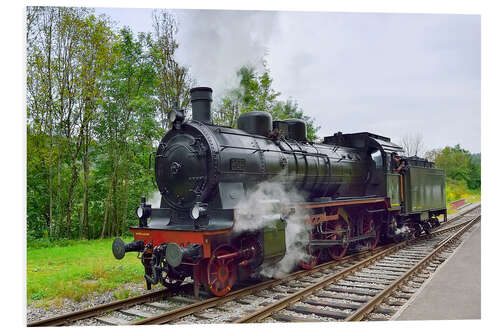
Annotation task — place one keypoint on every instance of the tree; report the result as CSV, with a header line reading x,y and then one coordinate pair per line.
x,y
459,166
68,50
173,80
413,144
290,109
54,94
127,121
95,100
40,89
432,154
255,93
96,56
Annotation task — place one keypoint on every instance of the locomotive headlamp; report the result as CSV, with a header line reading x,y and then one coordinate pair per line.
x,y
172,115
176,116
143,212
139,212
197,210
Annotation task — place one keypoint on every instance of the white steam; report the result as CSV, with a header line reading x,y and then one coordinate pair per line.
x,y
297,235
404,229
216,43
263,207
155,200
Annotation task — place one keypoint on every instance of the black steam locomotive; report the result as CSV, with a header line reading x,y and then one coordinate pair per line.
x,y
350,197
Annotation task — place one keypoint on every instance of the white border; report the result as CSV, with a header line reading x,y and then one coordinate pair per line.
x,y
14,142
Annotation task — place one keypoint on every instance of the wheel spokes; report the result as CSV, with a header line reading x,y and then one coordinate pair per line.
x,y
336,233
221,273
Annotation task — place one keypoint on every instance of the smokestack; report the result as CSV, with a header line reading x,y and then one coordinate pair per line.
x,y
201,99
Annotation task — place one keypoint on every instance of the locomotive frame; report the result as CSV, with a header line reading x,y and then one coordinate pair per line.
x,y
352,198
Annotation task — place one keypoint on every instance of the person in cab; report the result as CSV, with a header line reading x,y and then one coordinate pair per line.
x,y
398,163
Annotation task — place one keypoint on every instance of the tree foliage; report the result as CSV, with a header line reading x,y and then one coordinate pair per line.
x,y
255,93
173,80
459,166
94,112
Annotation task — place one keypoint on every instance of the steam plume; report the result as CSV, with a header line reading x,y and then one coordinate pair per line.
x,y
215,43
262,208
155,199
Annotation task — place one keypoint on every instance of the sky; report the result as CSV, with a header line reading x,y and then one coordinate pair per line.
x,y
389,74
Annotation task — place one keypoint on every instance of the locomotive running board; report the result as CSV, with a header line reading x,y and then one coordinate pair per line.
x,y
343,202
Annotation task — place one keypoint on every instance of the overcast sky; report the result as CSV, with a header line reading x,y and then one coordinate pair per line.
x,y
390,74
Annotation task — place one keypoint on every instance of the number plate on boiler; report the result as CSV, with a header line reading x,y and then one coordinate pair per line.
x,y
238,164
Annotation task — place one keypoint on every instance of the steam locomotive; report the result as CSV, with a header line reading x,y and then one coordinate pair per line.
x,y
351,197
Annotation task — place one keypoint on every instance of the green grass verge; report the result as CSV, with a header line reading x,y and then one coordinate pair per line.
x,y
77,269
458,190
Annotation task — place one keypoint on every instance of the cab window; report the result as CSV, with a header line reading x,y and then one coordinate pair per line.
x,y
377,158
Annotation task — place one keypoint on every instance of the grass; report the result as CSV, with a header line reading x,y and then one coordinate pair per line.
x,y
458,190
76,269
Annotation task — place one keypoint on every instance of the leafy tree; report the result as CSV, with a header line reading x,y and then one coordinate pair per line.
x,y
255,92
66,48
459,166
173,80
126,124
91,119
290,109
93,57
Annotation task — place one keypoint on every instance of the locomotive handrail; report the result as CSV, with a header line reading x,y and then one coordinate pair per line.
x,y
153,180
249,135
151,154
276,151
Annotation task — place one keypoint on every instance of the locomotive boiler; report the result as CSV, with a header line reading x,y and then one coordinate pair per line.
x,y
349,197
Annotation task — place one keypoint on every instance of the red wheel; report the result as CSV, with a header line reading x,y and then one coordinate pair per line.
x,y
312,258
338,230
368,227
221,273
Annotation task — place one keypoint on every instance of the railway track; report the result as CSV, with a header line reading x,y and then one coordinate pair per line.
x,y
104,308
366,288
300,296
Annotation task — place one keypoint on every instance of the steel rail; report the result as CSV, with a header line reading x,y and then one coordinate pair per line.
x,y
91,312
360,313
457,216
180,312
285,302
